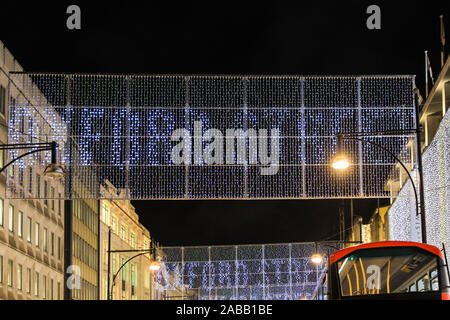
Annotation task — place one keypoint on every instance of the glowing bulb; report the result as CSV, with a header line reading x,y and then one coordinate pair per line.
x,y
155,266
316,258
340,162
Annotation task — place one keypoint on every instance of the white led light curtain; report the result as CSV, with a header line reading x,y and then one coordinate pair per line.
x,y
210,137
243,272
403,221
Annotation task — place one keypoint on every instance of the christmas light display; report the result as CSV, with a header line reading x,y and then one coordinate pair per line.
x,y
403,222
210,137
245,272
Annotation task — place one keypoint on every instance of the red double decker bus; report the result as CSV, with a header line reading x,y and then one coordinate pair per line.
x,y
388,270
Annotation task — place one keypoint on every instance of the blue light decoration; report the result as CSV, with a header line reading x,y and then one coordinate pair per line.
x,y
121,128
242,272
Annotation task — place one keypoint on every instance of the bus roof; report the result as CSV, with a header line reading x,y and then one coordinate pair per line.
x,y
383,244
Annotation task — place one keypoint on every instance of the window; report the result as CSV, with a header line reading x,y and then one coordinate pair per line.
x,y
10,272
1,212
114,224
38,186
19,277
114,263
36,234
20,224
51,289
52,244
58,288
124,273
52,194
105,214
133,279
29,227
2,157
45,192
1,269
11,218
59,203
11,171
59,248
133,240
21,121
44,240
36,284
28,281
123,232
388,270
21,176
434,280
423,284
2,99
30,181
44,287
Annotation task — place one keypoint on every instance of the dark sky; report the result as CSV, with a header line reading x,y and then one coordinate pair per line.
x,y
323,37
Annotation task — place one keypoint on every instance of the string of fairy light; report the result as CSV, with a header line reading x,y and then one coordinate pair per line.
x,y
121,126
436,171
244,272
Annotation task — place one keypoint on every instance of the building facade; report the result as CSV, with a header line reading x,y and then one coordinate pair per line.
x,y
134,281
31,231
435,122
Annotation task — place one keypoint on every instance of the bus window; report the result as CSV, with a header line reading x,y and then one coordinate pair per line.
x,y
423,284
387,270
434,280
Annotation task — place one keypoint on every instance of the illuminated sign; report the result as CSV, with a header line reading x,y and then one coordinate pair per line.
x,y
212,137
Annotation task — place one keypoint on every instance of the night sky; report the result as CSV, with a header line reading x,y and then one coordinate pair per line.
x,y
321,38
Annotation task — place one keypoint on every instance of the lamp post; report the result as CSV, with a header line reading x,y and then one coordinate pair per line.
x,y
317,258
154,265
53,170
341,162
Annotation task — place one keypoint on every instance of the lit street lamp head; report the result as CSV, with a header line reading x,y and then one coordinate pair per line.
x,y
340,162
316,258
155,265
54,170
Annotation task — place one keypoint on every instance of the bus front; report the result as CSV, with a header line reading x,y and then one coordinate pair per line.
x,y
388,270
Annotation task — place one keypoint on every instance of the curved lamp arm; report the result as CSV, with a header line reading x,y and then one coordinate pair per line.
x,y
393,155
23,155
121,267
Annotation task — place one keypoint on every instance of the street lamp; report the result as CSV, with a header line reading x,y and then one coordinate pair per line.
x,y
155,265
341,162
53,170
318,259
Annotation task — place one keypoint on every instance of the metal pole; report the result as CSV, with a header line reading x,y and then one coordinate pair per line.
x,y
426,74
420,169
109,265
351,219
441,17
360,229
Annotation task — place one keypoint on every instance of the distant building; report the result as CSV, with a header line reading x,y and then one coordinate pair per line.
x,y
134,281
